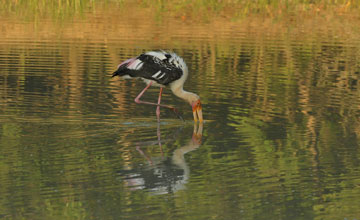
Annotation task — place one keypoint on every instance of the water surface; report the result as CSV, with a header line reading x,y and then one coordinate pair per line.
x,y
280,139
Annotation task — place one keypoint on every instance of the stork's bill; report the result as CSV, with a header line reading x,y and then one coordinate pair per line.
x,y
197,111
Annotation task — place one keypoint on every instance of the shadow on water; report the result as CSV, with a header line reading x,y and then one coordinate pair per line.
x,y
162,174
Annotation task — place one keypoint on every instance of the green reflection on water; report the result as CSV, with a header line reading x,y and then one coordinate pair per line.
x,y
280,141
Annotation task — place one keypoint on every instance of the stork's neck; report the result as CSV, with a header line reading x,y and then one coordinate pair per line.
x,y
187,96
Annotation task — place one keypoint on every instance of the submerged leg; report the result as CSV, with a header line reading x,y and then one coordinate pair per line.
x,y
142,153
158,133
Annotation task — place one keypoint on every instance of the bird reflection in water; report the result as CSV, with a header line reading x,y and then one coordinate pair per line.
x,y
165,174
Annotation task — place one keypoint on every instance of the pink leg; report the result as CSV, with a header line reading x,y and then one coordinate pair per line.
x,y
137,100
158,107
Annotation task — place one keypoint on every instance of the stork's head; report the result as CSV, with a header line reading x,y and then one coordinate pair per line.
x,y
195,103
192,99
197,110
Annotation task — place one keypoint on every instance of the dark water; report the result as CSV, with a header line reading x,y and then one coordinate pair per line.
x,y
280,139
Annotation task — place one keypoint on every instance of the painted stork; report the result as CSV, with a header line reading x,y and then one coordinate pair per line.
x,y
162,69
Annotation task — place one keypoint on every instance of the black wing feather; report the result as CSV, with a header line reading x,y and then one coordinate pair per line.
x,y
152,65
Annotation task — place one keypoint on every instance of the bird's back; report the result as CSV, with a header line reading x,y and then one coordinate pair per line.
x,y
159,66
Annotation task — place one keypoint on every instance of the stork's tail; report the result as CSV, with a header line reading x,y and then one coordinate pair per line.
x,y
117,73
122,67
